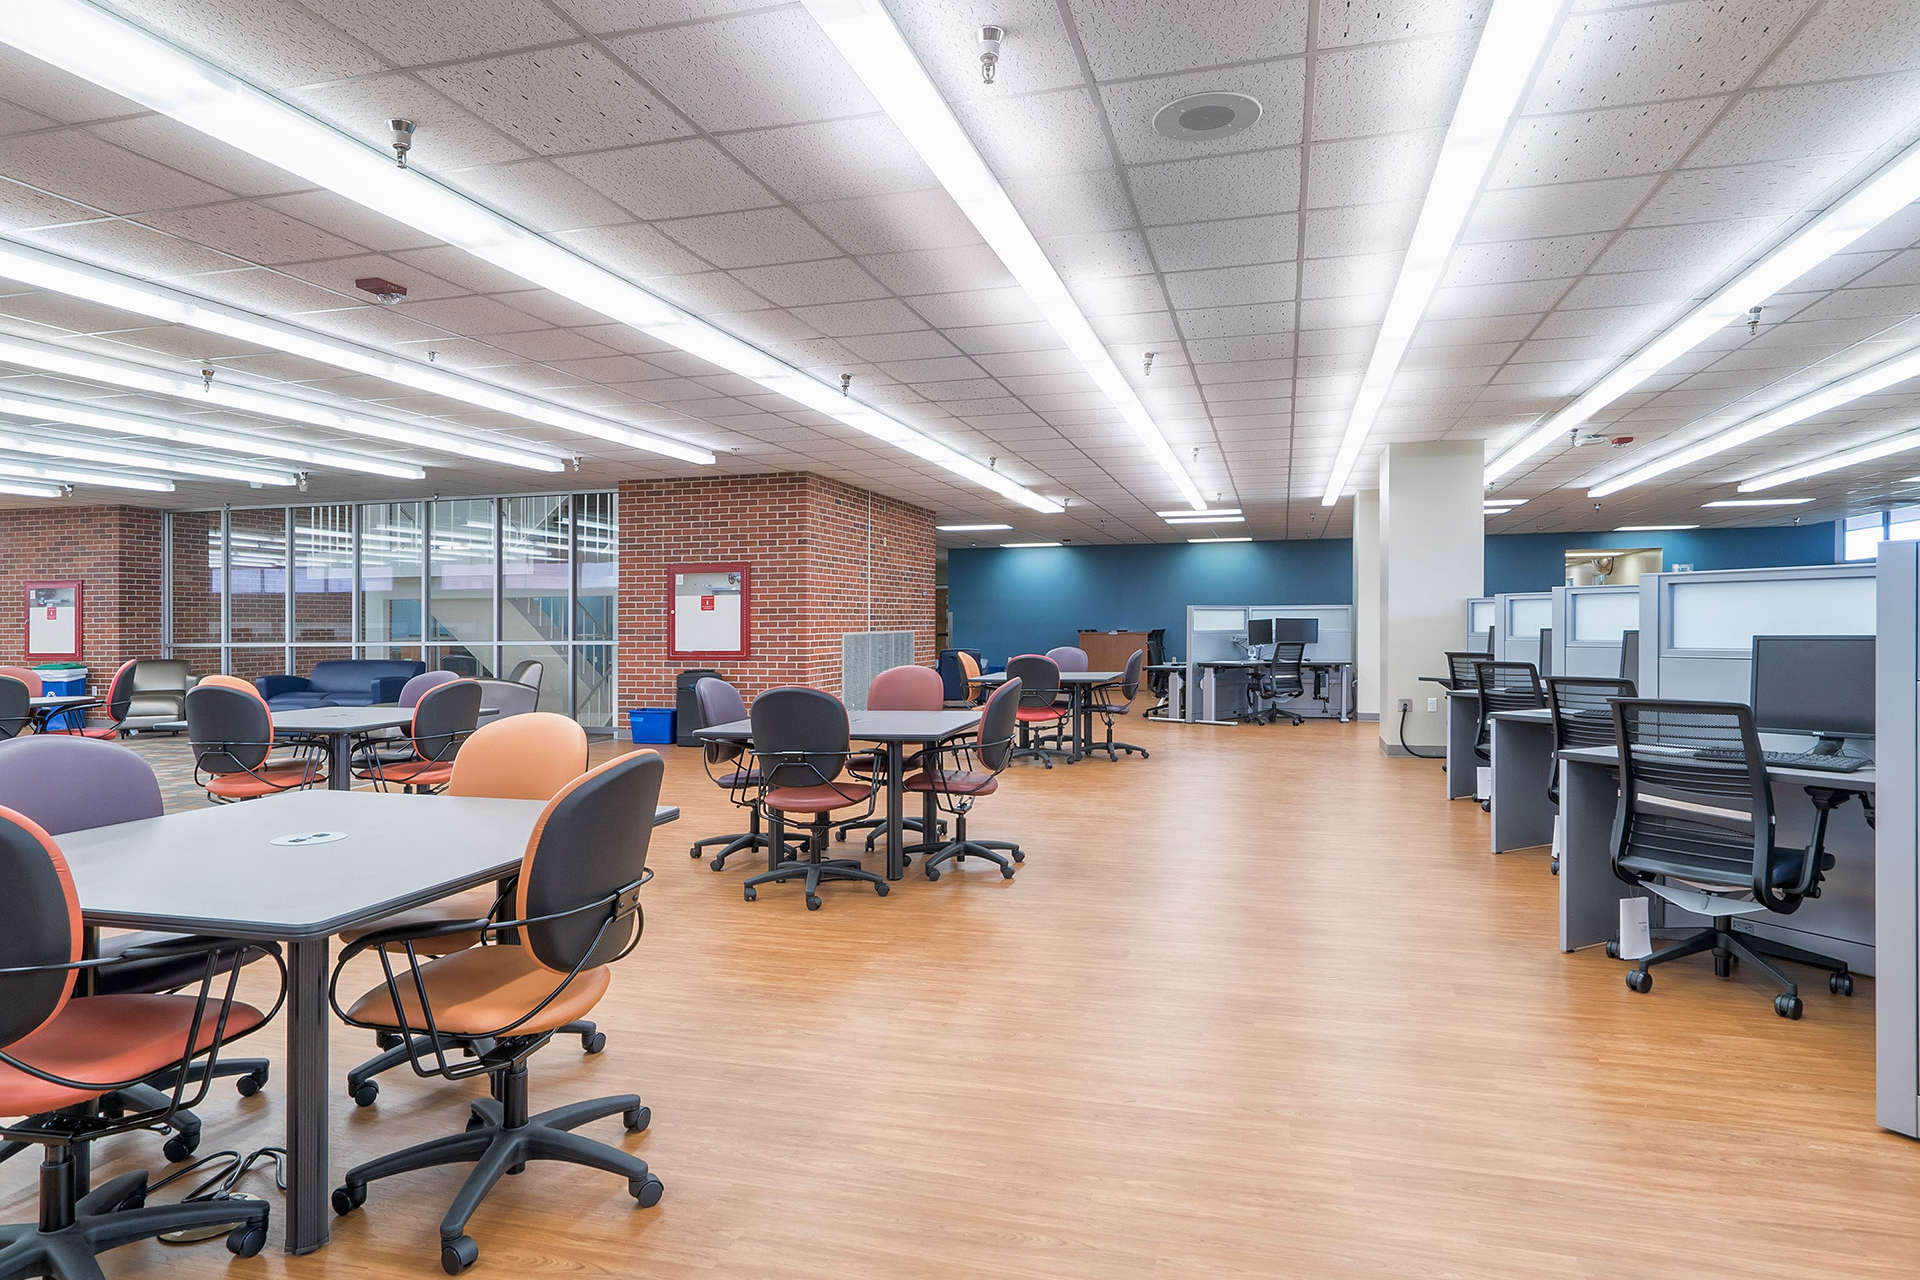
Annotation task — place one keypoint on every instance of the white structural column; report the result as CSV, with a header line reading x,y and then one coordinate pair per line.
x,y
1432,561
1366,603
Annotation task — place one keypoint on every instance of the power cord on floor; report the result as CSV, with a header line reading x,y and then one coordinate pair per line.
x,y
1418,755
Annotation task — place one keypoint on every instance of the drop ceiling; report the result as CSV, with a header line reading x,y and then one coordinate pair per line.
x,y
725,156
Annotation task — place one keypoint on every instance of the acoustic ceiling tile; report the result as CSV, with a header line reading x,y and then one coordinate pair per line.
x,y
748,71
1390,88
1226,186
1127,38
559,100
834,159
1276,85
896,222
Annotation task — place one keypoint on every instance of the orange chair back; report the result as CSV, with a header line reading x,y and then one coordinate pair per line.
x,y
524,757
26,677
223,681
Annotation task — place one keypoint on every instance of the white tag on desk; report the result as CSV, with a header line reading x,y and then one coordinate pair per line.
x,y
1636,936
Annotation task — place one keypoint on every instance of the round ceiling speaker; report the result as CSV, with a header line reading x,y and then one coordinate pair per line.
x,y
1202,117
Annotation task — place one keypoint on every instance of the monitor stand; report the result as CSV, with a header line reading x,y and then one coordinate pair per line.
x,y
1827,745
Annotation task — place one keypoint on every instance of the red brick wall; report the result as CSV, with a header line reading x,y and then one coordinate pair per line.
x,y
805,539
114,552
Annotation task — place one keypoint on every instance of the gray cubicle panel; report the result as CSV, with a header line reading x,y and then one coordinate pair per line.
x,y
1587,625
1518,619
1479,621
1336,627
1215,633
1896,996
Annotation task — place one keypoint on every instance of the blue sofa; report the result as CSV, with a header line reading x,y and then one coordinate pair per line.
x,y
351,682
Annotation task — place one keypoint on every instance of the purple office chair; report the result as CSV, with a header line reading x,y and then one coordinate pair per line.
x,y
721,703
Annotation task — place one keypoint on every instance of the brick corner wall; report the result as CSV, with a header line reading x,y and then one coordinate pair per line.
x,y
114,552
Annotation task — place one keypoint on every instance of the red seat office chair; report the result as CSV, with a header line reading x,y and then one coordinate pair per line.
x,y
27,677
959,772
576,911
906,688
800,751
1040,709
1113,700
721,703
118,701
231,731
60,1054
443,719
16,708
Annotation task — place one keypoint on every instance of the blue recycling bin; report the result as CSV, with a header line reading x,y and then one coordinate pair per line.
x,y
64,680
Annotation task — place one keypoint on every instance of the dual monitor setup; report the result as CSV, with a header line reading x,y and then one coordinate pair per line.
x,y
1265,631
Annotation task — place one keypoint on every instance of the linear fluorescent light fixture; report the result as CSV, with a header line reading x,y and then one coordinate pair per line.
x,y
1756,502
971,528
49,271
1891,189
60,473
28,489
65,447
1204,511
1026,545
225,439
1833,462
867,38
1510,44
1654,528
1821,400
1176,520
125,59
1219,539
66,362
1503,502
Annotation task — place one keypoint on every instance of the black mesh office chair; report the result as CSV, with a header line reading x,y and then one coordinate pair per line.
x,y
1503,686
1281,680
1460,668
1699,834
1582,717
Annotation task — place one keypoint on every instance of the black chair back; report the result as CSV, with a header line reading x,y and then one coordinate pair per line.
x,y
1582,710
1460,668
1504,686
1039,678
230,729
720,703
16,707
997,722
589,845
1130,678
799,736
445,717
39,925
1283,669
120,692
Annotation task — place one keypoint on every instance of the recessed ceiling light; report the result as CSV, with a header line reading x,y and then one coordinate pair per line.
x,y
1018,545
1186,514
1219,539
970,528
1834,462
1203,117
1757,502
1654,528
1207,520
1503,502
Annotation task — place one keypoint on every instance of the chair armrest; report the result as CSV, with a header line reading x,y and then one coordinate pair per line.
x,y
273,686
380,939
387,688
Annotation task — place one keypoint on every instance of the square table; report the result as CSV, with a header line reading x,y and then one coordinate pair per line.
x,y
220,871
893,730
1079,706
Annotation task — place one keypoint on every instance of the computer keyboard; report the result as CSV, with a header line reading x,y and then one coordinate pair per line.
x,y
1790,759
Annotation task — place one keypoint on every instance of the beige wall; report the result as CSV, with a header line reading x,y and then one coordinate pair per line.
x,y
1432,560
1366,602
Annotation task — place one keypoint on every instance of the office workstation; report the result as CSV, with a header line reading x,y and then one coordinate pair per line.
x,y
810,639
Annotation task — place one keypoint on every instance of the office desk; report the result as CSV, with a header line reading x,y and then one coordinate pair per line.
x,y
1523,764
217,871
1838,923
1078,684
894,730
1463,727
1338,673
1176,673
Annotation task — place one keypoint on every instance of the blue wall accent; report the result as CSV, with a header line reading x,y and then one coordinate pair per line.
x,y
1537,561
1028,599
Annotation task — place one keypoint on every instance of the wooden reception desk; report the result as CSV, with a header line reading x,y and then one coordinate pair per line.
x,y
1109,650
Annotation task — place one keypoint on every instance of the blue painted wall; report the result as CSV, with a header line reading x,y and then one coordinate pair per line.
x,y
1029,599
1536,561
1019,600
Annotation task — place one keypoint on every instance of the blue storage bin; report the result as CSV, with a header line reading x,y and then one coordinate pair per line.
x,y
651,725
63,680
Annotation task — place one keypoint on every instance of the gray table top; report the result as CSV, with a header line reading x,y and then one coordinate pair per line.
x,y
334,720
1066,677
217,870
59,700
1859,780
874,726
1531,715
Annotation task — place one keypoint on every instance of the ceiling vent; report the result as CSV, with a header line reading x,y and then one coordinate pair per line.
x,y
1203,117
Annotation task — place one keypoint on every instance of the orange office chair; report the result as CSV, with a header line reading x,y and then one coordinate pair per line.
x,y
970,676
577,903
443,719
526,757
27,677
60,1054
119,701
231,731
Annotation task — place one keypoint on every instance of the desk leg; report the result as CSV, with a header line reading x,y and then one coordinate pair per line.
x,y
307,1088
896,796
1590,893
1463,723
1082,722
339,762
1177,696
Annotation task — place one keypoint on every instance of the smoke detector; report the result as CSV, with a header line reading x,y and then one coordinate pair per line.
x,y
1580,439
1203,117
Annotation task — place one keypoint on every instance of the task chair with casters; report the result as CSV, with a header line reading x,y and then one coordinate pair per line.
x,y
721,703
907,688
1116,699
970,673
801,753
16,708
1068,658
443,719
1460,669
1699,834
1281,679
1582,717
64,783
1040,708
530,757
958,772
391,745
231,732
576,912
27,677
118,702
1503,686
528,671
508,698
63,1054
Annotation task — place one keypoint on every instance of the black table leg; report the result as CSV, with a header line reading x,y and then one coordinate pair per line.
x,y
776,837
896,838
1078,697
339,762
307,1017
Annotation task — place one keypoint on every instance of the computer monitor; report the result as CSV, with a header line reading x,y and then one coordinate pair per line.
x,y
1630,656
1821,685
1259,631
1304,630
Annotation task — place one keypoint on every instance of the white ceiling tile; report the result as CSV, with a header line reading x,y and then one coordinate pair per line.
x,y
1125,38
1226,186
1849,116
1497,262
1343,313
744,72
79,166
252,231
446,137
1103,253
669,179
1562,209
1039,134
1693,251
1600,143
1658,51
939,270
23,206
940,31
919,344
1231,286
350,220
631,249
833,160
1277,86
979,307
894,223
1117,295
1224,243
847,319
559,100
1390,88
540,195
1072,203
811,283
1341,277
705,292
1366,228
446,29
1348,22
1372,170
1520,297
1227,322
752,238
187,150
1848,38
283,46
1030,336
604,17
338,274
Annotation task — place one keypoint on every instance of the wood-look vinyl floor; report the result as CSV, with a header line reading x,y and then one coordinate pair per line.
x,y
1262,1005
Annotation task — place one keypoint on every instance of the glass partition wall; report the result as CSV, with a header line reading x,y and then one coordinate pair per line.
x,y
479,586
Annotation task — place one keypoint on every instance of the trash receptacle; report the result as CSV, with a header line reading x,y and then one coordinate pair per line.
x,y
63,680
651,726
686,706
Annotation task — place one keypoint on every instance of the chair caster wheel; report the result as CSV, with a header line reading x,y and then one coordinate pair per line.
x,y
365,1092
1486,806
592,1042
251,1083
813,902
1841,984
1613,949
179,1147
387,1040
646,1191
458,1254
932,874
718,864
1006,873
347,1197
1019,856
694,852
751,893
1787,1007
247,1239
1553,867
1639,980
637,1119
882,890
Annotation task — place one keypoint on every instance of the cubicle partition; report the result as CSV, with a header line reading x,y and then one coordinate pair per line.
x,y
1218,634
1479,622
1336,628
1896,996
1519,618
1588,623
